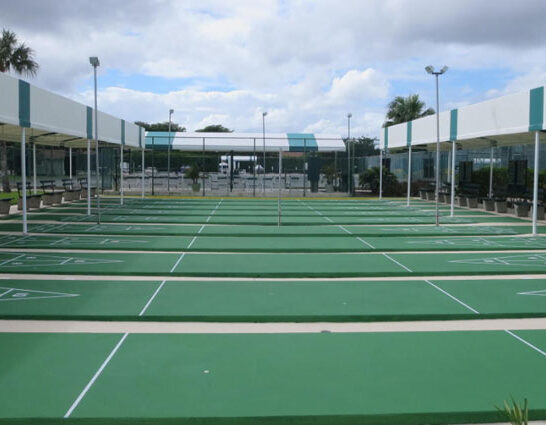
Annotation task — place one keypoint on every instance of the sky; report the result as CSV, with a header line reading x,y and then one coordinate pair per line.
x,y
308,63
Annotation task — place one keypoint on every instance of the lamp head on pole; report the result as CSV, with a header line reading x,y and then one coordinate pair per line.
x,y
349,115
264,114
94,61
171,111
430,70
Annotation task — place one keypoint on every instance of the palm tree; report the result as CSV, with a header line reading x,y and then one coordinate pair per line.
x,y
403,109
17,57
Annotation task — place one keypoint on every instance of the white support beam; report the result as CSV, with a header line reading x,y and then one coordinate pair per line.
x,y
88,177
380,173
535,182
409,175
491,171
453,155
34,185
142,177
24,179
70,162
121,175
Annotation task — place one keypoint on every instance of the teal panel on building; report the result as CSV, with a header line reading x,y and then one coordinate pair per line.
x,y
536,109
89,123
24,104
160,140
386,138
453,122
408,133
298,142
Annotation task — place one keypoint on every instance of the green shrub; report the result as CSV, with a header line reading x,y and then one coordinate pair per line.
x,y
369,179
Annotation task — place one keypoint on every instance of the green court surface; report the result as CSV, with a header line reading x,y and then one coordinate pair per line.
x,y
253,230
430,377
282,265
272,220
270,301
342,243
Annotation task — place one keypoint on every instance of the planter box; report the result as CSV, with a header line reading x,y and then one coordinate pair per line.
x,y
441,197
329,187
4,206
431,196
196,187
58,197
33,201
501,207
84,193
489,205
423,194
461,200
472,202
521,210
48,198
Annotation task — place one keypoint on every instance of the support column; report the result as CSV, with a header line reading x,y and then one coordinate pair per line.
x,y
535,182
203,166
34,190
304,168
279,208
254,171
88,163
121,176
453,155
24,179
70,162
381,174
142,175
348,168
409,175
491,171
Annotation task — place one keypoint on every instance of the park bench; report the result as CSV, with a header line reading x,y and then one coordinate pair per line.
x,y
33,201
71,193
84,188
50,195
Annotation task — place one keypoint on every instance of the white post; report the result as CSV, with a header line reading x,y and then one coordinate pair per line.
x,y
409,175
437,153
142,178
279,200
491,172
453,155
70,162
34,168
24,179
121,176
88,177
535,183
380,173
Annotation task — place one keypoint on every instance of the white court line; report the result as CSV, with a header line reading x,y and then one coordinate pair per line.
x,y
183,254
525,342
95,376
58,241
214,210
152,298
4,293
201,229
12,259
192,241
394,261
358,237
318,212
452,297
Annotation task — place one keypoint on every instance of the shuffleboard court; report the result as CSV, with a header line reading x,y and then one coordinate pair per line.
x,y
455,377
231,230
270,301
282,265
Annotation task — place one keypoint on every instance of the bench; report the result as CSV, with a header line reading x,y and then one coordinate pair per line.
x,y
84,188
71,194
33,201
50,196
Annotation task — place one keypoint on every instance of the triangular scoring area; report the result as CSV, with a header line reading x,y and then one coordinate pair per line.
x,y
18,294
541,293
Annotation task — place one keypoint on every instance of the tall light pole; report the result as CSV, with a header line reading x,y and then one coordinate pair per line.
x,y
430,70
94,61
171,111
263,135
349,116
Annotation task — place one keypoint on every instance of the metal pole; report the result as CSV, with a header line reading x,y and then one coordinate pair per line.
x,y
34,168
263,134
24,179
380,173
121,176
437,152
203,166
304,167
169,157
153,166
142,175
348,154
279,209
453,155
70,162
409,175
535,183
88,177
254,171
491,172
96,148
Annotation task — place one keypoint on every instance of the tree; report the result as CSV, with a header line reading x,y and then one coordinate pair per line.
x,y
215,128
161,126
404,109
17,57
364,146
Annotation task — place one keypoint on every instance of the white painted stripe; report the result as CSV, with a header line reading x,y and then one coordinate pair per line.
x,y
3,263
177,262
452,297
5,293
525,342
152,298
95,376
192,241
201,229
397,262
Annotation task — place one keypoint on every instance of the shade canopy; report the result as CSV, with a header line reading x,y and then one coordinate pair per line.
x,y
507,120
56,120
245,142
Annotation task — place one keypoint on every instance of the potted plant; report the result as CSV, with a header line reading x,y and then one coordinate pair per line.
x,y
193,174
489,204
330,174
522,209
